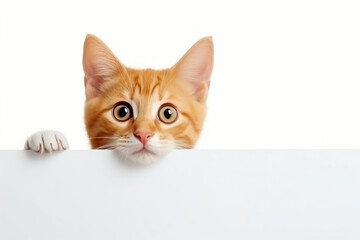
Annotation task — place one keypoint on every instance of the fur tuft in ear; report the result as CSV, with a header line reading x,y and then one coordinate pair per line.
x,y
195,67
100,65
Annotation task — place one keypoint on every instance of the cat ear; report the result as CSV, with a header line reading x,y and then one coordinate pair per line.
x,y
100,65
195,67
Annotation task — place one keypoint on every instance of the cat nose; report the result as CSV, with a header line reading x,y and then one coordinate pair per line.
x,y
143,136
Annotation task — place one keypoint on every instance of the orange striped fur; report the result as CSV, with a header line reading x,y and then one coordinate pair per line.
x,y
145,136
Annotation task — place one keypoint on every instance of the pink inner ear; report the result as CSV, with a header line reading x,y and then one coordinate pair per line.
x,y
99,63
94,76
93,86
93,81
195,67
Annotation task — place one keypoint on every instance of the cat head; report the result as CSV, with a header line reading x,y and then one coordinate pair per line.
x,y
144,114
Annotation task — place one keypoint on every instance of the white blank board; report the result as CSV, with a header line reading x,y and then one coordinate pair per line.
x,y
216,194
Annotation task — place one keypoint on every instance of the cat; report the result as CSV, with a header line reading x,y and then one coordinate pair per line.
x,y
142,114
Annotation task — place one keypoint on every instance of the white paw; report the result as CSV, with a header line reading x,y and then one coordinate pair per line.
x,y
46,141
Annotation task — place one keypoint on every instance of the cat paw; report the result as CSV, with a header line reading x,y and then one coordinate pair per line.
x,y
46,141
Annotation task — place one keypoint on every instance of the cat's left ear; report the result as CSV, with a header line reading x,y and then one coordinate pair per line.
x,y
195,67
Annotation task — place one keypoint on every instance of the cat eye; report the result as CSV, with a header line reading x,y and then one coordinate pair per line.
x,y
168,113
122,111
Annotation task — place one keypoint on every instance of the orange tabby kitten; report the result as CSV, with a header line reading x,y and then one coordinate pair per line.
x,y
143,114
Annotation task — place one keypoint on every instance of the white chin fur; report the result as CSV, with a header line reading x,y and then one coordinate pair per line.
x,y
140,158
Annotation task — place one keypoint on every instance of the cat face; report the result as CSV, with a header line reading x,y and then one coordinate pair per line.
x,y
143,114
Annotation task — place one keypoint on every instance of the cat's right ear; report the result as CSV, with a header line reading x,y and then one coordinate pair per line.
x,y
100,65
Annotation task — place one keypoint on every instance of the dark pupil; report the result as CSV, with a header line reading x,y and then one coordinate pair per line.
x,y
123,111
168,113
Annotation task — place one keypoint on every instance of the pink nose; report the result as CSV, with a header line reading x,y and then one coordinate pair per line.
x,y
143,137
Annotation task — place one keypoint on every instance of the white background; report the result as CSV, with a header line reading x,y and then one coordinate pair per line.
x,y
286,73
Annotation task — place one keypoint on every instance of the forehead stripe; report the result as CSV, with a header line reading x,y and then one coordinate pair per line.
x,y
154,87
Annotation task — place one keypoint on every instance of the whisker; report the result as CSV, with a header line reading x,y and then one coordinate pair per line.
x,y
109,145
106,138
117,143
